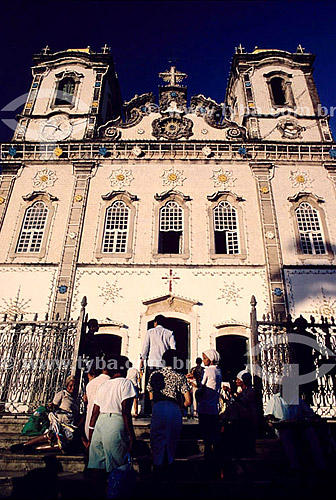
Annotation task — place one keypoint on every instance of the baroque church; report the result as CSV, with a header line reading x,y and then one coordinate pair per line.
x,y
180,206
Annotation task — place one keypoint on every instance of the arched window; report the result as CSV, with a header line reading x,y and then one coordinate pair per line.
x,y
116,228
171,228
65,92
278,86
226,229
33,227
310,230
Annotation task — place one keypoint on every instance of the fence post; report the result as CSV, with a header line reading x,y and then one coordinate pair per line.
x,y
80,325
254,335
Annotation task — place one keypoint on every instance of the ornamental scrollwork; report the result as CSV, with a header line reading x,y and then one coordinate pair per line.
x,y
172,128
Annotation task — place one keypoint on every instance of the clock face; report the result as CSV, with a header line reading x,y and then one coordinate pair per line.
x,y
56,128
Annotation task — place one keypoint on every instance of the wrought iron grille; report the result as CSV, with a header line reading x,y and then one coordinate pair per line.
x,y
36,358
273,351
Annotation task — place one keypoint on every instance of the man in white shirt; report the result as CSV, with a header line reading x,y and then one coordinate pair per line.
x,y
157,341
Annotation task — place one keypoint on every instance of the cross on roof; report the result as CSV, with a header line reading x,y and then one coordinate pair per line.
x,y
45,50
240,49
170,278
300,49
173,76
105,49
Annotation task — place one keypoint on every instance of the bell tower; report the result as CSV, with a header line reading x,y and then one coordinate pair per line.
x,y
72,92
273,94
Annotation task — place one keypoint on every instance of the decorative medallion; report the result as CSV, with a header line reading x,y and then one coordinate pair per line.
x,y
62,289
2,200
140,131
112,133
230,294
102,151
137,151
204,131
264,190
233,133
110,292
121,177
58,151
270,235
277,292
78,198
173,177
290,129
207,151
242,151
12,151
332,153
44,178
300,179
72,236
223,178
172,128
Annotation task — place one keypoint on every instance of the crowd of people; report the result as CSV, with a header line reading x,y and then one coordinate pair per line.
x,y
229,414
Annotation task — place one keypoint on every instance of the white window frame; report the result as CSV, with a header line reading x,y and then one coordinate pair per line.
x,y
120,234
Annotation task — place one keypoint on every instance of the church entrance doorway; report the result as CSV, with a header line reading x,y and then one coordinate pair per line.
x,y
233,350
108,343
181,331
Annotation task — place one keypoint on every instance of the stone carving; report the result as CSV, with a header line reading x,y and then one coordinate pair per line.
x,y
230,294
214,115
223,178
173,177
110,292
121,177
173,98
300,179
137,151
172,128
44,178
207,151
290,129
323,305
14,306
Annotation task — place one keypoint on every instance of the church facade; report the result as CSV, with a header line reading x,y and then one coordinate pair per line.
x,y
181,207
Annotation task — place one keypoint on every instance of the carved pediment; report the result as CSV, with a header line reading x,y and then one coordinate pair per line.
x,y
302,196
35,194
144,103
214,115
225,195
172,194
170,302
113,194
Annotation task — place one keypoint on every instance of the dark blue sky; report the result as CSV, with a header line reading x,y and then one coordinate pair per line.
x,y
144,35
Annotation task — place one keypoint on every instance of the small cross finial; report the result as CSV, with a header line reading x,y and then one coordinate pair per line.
x,y
172,76
45,50
105,49
170,278
240,49
300,49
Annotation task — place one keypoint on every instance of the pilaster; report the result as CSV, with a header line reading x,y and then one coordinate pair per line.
x,y
8,174
263,174
82,171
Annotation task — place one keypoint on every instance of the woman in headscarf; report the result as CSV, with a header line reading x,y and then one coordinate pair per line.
x,y
63,416
207,397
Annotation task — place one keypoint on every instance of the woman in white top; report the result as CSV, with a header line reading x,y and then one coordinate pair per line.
x,y
111,433
91,392
207,397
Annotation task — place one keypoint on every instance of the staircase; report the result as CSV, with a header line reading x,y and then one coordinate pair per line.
x,y
265,475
